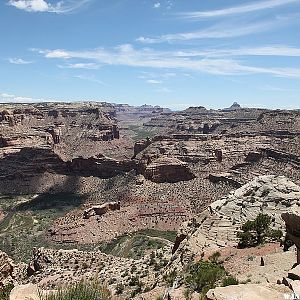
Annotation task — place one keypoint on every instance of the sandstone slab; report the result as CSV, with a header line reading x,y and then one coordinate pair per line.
x,y
244,292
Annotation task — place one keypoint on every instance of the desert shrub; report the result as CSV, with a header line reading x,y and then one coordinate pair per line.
x,y
204,275
187,294
215,257
119,288
170,277
257,232
5,291
287,243
275,235
246,239
80,291
229,280
134,281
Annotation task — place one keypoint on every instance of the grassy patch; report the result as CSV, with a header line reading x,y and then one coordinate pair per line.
x,y
25,224
168,235
131,246
137,244
80,291
141,133
5,291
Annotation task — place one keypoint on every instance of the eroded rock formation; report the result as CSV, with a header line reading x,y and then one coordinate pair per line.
x,y
168,170
292,222
217,226
99,210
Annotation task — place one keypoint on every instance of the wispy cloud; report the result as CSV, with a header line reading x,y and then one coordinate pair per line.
x,y
10,98
127,55
155,75
153,81
89,66
91,78
60,7
241,9
214,32
271,50
19,61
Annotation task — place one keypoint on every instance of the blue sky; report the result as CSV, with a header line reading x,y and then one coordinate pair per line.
x,y
174,53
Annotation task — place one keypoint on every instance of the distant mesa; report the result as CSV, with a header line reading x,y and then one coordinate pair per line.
x,y
143,109
234,106
195,109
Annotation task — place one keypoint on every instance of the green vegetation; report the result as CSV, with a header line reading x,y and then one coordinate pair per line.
x,y
207,274
215,257
138,244
256,232
203,276
168,235
27,219
80,291
131,247
170,277
229,280
5,292
141,132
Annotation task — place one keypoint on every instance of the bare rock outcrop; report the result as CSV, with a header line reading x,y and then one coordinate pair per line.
x,y
248,292
217,226
6,267
292,222
99,210
167,169
25,292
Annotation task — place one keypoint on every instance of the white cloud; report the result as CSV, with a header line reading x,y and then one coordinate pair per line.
x,y
10,98
127,55
57,54
157,5
89,66
241,9
155,75
215,32
60,7
272,50
19,61
153,81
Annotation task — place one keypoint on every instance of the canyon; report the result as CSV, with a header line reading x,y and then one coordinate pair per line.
x,y
82,180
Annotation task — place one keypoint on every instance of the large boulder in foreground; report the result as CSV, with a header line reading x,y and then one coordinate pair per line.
x,y
292,223
167,169
248,292
25,292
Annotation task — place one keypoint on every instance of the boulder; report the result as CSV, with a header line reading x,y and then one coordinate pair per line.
x,y
286,281
294,273
25,292
292,222
244,292
295,285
